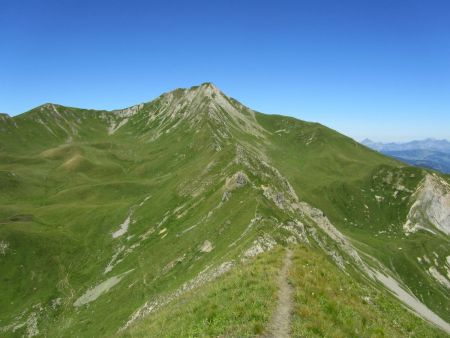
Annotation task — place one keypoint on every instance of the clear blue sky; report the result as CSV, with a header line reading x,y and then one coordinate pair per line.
x,y
377,69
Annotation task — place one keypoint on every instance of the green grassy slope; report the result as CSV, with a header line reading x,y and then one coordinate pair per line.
x,y
366,195
329,303
75,194
117,210
326,303
237,305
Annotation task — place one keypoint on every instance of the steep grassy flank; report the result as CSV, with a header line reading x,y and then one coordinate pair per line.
x,y
327,303
365,194
238,305
314,157
330,303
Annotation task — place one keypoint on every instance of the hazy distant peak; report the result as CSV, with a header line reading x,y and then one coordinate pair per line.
x,y
427,153
425,144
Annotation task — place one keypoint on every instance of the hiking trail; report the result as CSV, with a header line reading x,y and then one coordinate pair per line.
x,y
280,324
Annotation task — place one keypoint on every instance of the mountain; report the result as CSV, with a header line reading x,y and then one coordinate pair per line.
x,y
424,158
193,215
429,153
427,144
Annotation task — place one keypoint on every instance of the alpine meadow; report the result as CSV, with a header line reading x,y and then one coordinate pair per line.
x,y
193,215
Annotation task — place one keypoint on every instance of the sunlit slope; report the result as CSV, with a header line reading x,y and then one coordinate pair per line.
x,y
326,302
107,217
370,197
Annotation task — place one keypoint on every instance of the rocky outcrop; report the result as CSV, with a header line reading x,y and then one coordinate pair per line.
x,y
206,247
238,180
431,206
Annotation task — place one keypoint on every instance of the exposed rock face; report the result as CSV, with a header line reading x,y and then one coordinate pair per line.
x,y
4,117
260,245
206,247
238,180
191,105
241,179
95,292
439,277
432,206
3,247
226,196
130,111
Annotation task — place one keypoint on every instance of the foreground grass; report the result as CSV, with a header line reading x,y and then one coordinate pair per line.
x,y
329,303
239,304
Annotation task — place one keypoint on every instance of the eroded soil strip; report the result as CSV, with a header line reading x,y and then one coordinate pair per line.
x,y
280,324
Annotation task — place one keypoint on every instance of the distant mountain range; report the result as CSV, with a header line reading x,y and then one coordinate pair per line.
x,y
428,153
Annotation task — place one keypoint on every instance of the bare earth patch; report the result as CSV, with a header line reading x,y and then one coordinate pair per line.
x,y
280,324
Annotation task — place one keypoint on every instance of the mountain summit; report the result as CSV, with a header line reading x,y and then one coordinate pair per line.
x,y
176,214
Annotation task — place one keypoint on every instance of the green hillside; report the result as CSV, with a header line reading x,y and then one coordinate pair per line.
x,y
110,221
327,303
